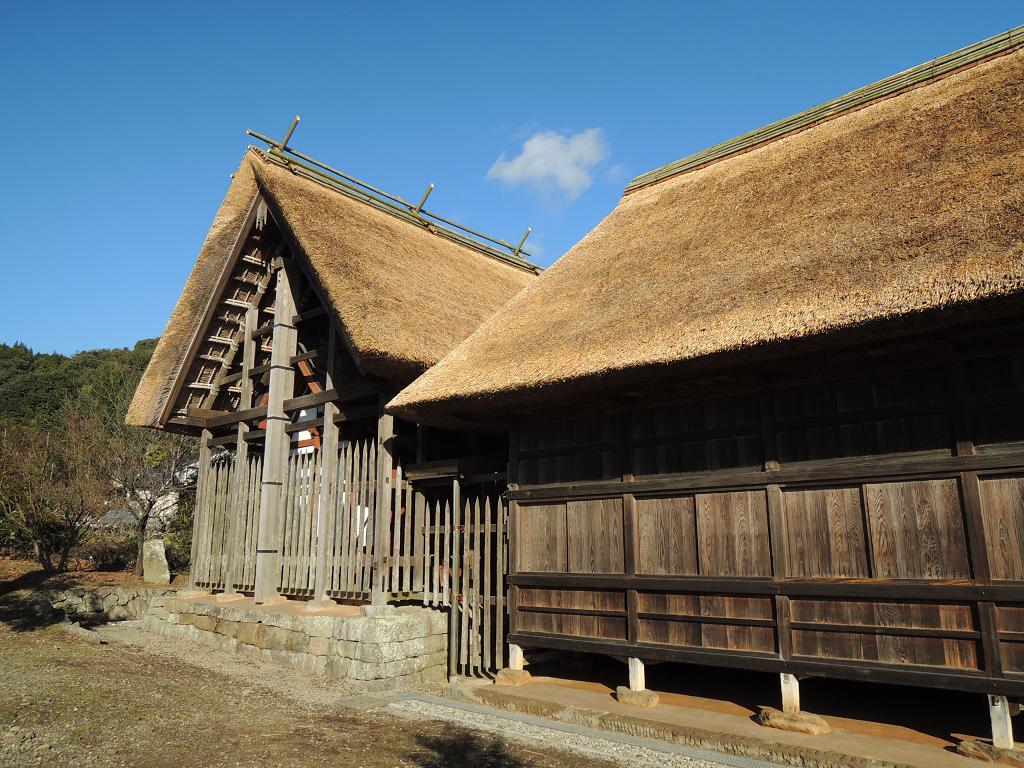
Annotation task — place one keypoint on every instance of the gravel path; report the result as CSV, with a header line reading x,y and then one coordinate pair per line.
x,y
583,740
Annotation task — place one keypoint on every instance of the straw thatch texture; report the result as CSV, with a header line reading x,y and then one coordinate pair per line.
x,y
403,296
903,207
157,384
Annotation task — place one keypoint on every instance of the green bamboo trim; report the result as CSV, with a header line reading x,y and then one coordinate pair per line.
x,y
891,85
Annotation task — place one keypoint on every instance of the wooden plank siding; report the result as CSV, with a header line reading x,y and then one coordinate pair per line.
x,y
868,527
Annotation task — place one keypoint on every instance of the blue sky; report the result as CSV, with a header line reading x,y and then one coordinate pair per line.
x,y
123,122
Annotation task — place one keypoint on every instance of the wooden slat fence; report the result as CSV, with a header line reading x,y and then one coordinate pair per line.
x,y
444,545
350,530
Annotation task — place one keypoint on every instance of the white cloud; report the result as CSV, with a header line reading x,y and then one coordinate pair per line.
x,y
550,159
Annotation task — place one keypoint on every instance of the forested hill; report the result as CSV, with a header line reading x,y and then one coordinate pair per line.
x,y
33,387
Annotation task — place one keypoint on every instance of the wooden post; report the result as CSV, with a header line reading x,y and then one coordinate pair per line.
x,y
236,529
637,678
199,519
382,508
790,693
1002,727
325,508
516,660
453,605
276,444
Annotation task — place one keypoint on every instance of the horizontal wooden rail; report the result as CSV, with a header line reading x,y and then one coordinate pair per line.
x,y
932,464
572,611
733,586
844,669
870,629
735,621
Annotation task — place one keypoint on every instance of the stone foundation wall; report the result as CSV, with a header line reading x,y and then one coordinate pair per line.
x,y
100,604
376,648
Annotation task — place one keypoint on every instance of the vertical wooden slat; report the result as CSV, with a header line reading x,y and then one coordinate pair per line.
x,y
452,590
478,592
463,517
407,540
499,587
420,561
439,556
487,540
382,517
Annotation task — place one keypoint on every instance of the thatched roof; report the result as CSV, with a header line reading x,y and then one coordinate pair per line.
x,y
403,295
898,209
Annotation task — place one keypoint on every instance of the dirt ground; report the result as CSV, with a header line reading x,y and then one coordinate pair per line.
x,y
146,700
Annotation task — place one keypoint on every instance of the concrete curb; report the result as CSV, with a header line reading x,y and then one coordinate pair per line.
x,y
697,738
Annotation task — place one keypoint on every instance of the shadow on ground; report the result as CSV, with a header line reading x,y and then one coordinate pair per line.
x,y
460,747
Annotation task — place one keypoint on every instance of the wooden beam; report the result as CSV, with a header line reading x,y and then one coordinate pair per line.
x,y
276,446
310,355
309,314
844,669
325,511
382,511
930,464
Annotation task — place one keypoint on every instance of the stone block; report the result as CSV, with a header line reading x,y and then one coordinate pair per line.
x,y
227,628
154,563
337,667
377,611
319,665
512,677
380,653
800,722
319,646
160,613
109,601
251,634
645,698
277,639
205,623
300,642
157,602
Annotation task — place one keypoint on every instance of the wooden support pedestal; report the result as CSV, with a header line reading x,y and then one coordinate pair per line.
x,y
790,693
1002,727
637,678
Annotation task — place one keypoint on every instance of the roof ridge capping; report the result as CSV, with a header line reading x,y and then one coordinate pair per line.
x,y
938,67
340,182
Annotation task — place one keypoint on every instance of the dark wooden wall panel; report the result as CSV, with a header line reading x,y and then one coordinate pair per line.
x,y
871,643
562,621
594,531
1010,618
1002,507
667,533
542,538
732,534
917,530
826,533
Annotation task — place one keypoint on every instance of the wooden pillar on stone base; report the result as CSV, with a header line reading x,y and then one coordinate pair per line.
x,y
790,693
637,676
326,504
382,507
1002,727
276,444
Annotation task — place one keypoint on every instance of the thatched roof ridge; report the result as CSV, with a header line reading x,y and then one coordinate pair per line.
x,y
972,54
907,205
403,296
